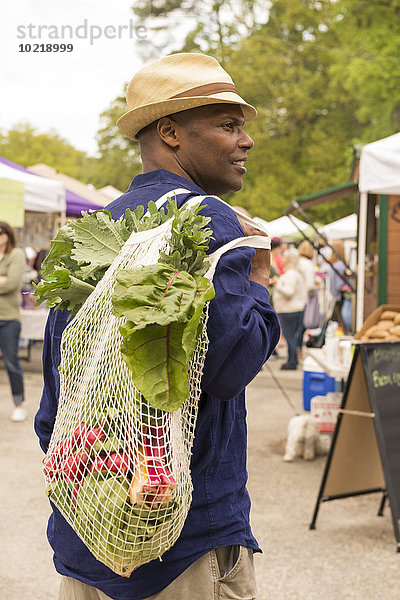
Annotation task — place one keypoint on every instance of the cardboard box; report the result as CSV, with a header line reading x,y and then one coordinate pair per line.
x,y
325,409
375,317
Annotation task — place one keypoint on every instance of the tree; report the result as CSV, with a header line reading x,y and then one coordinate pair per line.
x,y
211,26
25,146
300,134
323,74
119,156
368,63
117,164
321,85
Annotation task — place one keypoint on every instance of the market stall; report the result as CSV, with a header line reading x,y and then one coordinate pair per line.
x,y
34,207
74,204
284,227
342,229
21,191
379,187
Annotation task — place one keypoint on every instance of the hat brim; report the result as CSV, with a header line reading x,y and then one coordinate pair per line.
x,y
131,122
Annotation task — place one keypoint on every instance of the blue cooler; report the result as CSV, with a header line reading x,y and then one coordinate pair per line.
x,y
315,382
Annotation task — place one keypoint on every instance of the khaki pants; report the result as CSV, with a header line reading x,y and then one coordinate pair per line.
x,y
222,574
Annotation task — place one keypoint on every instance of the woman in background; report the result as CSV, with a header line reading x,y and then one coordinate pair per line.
x,y
290,297
12,267
337,277
307,267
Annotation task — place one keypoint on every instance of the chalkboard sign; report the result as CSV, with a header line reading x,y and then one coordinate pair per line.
x,y
382,368
365,450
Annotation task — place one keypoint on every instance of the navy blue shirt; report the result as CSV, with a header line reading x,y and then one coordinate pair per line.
x,y
243,330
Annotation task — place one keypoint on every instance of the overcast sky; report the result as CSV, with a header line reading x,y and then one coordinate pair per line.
x,y
65,91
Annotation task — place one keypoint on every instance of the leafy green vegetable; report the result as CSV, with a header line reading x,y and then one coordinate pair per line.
x,y
79,256
155,294
158,355
63,290
163,303
205,293
97,243
190,238
85,248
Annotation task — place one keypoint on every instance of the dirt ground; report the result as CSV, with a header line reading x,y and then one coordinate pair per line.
x,y
351,554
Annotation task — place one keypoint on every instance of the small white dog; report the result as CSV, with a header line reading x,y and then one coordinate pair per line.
x,y
304,439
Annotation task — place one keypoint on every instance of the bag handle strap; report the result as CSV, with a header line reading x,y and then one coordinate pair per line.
x,y
196,199
162,200
252,241
138,237
237,212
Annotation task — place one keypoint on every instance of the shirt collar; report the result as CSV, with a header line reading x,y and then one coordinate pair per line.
x,y
162,176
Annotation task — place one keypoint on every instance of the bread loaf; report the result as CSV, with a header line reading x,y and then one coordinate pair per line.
x,y
389,314
395,330
385,324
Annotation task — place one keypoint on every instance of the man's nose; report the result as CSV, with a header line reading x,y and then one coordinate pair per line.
x,y
245,141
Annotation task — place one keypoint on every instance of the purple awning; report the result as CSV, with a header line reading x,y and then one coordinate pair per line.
x,y
75,203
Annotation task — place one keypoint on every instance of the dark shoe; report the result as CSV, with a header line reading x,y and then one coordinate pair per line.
x,y
287,367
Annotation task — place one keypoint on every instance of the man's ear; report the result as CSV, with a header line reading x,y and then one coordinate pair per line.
x,y
167,130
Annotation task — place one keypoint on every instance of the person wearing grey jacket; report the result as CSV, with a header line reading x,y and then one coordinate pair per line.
x,y
12,267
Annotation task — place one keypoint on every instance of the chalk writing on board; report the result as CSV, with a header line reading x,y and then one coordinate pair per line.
x,y
386,355
381,380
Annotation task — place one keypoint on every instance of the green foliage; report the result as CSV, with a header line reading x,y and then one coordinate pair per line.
x,y
153,294
158,345
119,158
78,258
164,305
323,75
22,144
217,25
190,238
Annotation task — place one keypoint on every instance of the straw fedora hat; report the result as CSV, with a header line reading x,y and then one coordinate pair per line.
x,y
175,83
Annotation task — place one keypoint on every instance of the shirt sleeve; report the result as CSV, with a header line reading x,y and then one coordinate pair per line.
x,y
15,272
46,415
243,328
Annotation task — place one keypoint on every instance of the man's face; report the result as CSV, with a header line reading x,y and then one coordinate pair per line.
x,y
213,147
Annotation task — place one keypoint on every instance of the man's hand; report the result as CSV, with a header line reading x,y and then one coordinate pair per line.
x,y
260,263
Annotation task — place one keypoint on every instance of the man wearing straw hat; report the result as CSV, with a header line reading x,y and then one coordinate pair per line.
x,y
186,114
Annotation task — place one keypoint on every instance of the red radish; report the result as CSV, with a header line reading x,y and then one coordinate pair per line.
x,y
50,466
99,465
79,434
154,447
75,464
118,462
94,435
64,449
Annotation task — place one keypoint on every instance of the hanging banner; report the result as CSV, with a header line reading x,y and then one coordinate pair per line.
x,y
12,196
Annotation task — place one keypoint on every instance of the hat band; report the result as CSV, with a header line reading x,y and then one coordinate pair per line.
x,y
207,90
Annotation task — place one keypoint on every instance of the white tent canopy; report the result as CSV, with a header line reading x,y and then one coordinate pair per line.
x,y
41,194
342,229
282,227
379,174
380,166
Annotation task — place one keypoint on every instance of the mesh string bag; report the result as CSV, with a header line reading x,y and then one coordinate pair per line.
x,y
117,468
